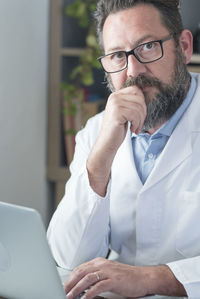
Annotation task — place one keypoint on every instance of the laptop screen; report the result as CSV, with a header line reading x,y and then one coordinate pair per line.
x,y
27,268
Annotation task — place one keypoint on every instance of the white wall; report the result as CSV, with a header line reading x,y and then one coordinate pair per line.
x,y
23,102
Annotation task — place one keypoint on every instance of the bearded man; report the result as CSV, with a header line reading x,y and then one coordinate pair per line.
x,y
135,183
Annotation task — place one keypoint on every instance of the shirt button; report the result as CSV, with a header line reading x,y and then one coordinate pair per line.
x,y
150,156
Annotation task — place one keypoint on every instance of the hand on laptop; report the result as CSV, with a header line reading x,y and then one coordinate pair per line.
x,y
101,275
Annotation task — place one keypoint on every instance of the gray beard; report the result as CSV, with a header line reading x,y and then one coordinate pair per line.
x,y
169,97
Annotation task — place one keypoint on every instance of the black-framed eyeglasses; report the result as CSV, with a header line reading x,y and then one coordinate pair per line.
x,y
144,53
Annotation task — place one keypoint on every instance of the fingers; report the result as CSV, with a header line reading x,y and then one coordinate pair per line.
x,y
126,105
86,277
98,288
85,283
94,283
76,276
87,273
101,275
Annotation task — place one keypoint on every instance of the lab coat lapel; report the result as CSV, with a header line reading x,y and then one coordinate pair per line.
x,y
175,152
179,146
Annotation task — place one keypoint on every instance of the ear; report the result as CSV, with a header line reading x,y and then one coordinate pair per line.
x,y
186,44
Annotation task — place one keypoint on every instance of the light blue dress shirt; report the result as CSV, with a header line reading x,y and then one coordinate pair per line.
x,y
147,148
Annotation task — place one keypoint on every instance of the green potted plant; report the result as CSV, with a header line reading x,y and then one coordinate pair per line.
x,y
81,76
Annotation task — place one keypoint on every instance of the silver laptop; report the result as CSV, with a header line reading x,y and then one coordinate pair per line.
x,y
27,268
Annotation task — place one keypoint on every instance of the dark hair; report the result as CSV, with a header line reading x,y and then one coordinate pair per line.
x,y
169,11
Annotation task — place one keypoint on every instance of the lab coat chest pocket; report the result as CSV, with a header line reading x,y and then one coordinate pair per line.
x,y
188,226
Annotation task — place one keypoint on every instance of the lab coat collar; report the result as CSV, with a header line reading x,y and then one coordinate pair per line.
x,y
179,146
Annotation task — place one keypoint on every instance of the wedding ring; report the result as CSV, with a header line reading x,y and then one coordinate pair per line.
x,y
97,276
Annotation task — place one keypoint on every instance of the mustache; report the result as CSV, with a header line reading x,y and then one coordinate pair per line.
x,y
142,81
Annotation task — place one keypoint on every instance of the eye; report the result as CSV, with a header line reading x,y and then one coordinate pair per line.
x,y
117,56
149,46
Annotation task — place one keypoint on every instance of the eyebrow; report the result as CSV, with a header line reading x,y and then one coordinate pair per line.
x,y
135,44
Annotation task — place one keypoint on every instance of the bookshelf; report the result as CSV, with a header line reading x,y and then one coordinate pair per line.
x,y
194,65
60,55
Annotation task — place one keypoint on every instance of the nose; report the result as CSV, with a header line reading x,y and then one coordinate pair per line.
x,y
135,67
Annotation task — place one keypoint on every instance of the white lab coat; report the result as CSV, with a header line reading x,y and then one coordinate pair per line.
x,y
150,224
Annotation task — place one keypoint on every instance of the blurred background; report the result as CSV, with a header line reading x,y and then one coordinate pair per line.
x,y
48,89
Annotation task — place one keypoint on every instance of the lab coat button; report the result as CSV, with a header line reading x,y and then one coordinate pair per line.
x,y
150,156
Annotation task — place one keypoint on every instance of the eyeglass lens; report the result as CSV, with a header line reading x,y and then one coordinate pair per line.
x,y
145,53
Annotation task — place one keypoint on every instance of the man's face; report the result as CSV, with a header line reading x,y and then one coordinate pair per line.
x,y
158,80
